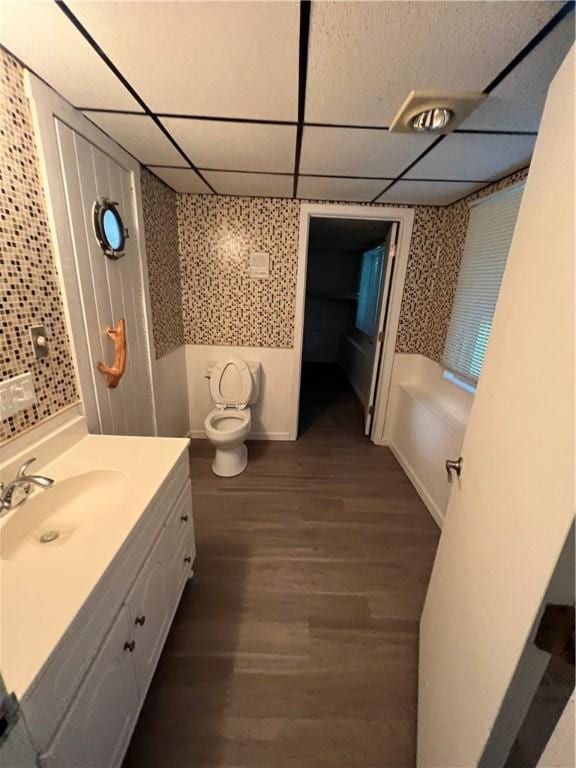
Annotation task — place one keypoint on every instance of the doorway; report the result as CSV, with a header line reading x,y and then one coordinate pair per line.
x,y
351,271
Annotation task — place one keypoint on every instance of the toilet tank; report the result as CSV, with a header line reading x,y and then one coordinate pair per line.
x,y
255,370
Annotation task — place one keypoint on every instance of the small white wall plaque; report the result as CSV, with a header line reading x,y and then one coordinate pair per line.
x,y
259,265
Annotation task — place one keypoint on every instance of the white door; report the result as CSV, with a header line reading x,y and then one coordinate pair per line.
x,y
377,341
110,290
511,511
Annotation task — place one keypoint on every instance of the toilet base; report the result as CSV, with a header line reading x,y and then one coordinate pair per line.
x,y
229,462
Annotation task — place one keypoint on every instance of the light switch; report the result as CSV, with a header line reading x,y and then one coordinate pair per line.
x,y
16,394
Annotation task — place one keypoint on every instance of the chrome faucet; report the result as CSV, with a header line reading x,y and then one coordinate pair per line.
x,y
24,483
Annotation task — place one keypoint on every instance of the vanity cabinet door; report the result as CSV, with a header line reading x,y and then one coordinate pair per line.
x,y
100,720
149,604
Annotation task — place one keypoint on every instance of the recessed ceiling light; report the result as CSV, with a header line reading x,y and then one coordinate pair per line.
x,y
435,111
432,119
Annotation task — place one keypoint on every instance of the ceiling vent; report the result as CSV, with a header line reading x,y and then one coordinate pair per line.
x,y
435,111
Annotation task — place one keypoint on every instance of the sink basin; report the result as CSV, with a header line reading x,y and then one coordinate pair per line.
x,y
63,514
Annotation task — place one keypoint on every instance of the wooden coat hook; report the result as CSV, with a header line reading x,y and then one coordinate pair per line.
x,y
115,372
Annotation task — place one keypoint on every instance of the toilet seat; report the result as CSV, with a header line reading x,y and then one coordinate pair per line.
x,y
227,425
231,384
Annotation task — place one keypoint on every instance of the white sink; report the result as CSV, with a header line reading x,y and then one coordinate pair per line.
x,y
63,515
102,486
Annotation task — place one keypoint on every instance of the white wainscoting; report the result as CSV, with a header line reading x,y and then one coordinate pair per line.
x,y
425,424
271,415
172,411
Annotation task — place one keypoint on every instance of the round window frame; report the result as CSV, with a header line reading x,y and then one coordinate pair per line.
x,y
101,207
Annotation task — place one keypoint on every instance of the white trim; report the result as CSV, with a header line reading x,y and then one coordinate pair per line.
x,y
429,503
199,434
405,219
46,105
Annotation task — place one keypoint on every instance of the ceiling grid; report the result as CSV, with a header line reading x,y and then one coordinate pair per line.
x,y
301,107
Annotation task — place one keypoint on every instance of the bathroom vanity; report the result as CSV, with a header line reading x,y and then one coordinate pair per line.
x,y
92,571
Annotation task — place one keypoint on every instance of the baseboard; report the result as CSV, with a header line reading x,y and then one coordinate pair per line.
x,y
429,502
199,434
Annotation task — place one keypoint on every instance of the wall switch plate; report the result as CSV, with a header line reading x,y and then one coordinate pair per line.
x,y
39,341
16,394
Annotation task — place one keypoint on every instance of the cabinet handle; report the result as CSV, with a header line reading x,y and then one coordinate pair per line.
x,y
187,559
140,620
184,518
130,646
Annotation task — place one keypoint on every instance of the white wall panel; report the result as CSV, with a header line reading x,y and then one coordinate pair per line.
x,y
271,414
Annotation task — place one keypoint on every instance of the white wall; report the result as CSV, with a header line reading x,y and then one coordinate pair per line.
x,y
425,425
171,391
272,415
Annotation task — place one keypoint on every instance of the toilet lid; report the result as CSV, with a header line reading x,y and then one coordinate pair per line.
x,y
231,383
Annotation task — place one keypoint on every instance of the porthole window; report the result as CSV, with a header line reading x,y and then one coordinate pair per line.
x,y
109,228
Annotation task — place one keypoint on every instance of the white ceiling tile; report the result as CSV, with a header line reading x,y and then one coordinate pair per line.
x,y
140,136
428,192
250,184
182,180
354,152
474,157
41,36
364,58
235,146
354,190
517,103
235,59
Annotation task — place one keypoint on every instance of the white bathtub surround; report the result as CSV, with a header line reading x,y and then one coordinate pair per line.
x,y
84,617
425,425
272,415
172,410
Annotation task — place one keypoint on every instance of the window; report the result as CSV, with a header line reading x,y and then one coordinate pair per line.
x,y
488,239
369,293
109,228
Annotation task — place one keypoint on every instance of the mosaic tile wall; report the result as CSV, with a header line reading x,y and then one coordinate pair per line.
x,y
221,304
161,232
29,289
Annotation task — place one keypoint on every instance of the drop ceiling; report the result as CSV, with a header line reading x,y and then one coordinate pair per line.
x,y
287,99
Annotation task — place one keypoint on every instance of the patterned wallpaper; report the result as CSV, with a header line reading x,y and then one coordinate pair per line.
x,y
161,232
221,304
29,289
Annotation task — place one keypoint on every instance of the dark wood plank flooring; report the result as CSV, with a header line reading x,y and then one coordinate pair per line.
x,y
296,643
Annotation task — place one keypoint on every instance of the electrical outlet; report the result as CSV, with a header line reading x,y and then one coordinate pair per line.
x,y
16,394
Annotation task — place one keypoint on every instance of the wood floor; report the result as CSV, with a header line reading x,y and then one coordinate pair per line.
x,y
296,643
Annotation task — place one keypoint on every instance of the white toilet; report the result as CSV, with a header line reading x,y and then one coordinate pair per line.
x,y
234,385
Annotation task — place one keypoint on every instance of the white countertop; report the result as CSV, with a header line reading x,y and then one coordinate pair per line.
x,y
40,596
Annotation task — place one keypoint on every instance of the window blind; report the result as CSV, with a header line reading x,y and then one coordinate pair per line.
x,y
490,230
